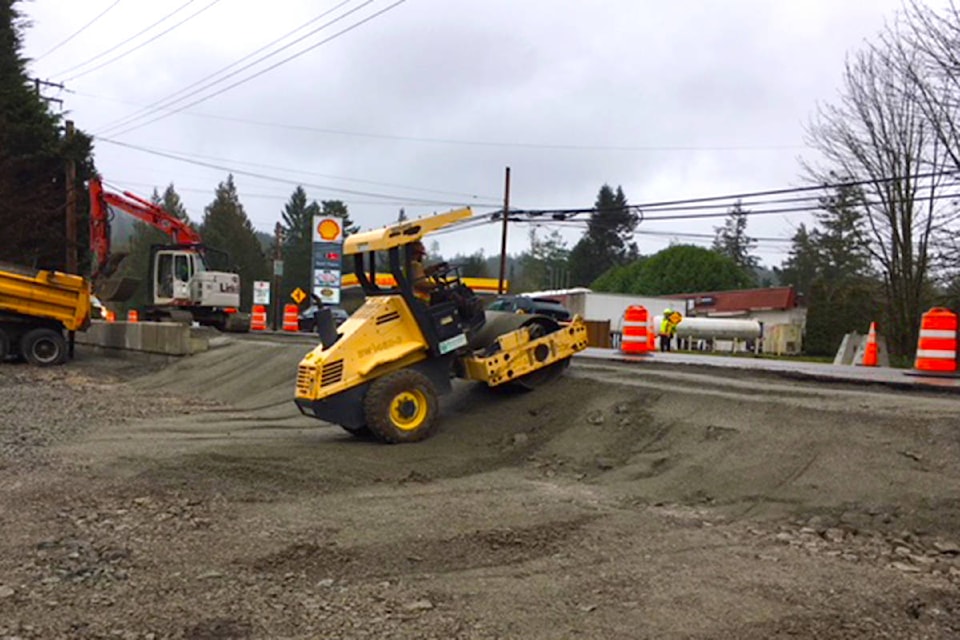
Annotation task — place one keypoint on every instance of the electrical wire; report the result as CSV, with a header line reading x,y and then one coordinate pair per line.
x,y
142,44
446,141
77,32
263,71
171,99
738,196
266,196
282,180
183,154
120,44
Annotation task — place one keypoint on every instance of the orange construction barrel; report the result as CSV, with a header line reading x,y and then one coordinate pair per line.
x,y
258,318
133,316
291,319
937,342
634,337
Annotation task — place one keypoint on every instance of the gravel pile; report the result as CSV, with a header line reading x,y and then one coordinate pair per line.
x,y
43,406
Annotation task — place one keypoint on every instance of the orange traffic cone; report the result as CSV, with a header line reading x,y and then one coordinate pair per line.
x,y
133,316
258,319
291,320
109,316
870,350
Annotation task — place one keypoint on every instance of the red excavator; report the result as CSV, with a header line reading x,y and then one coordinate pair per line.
x,y
180,286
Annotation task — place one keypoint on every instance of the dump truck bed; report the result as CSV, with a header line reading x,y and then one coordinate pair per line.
x,y
49,295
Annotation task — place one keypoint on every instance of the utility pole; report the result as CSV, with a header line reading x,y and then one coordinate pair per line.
x,y
277,276
37,83
503,239
71,209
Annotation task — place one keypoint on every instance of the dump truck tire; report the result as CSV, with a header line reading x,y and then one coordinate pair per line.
x,y
401,407
43,347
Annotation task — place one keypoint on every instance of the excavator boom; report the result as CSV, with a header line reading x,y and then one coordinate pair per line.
x,y
107,287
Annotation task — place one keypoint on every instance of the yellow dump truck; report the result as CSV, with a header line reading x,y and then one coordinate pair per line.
x,y
36,307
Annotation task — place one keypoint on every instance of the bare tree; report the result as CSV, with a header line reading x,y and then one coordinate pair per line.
x,y
928,48
877,133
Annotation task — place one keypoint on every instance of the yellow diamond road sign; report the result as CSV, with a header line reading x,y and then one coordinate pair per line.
x,y
298,295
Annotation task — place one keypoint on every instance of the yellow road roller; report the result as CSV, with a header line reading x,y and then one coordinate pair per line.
x,y
379,373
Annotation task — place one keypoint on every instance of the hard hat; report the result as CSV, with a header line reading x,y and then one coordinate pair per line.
x,y
667,311
417,247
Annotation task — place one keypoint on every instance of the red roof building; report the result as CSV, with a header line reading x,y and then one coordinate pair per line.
x,y
741,302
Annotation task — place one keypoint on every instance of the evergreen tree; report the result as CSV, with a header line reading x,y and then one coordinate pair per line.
x,y
803,265
337,209
227,228
33,153
545,265
138,246
732,240
607,242
830,265
297,217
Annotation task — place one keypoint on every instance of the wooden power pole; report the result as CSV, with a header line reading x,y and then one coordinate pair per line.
x,y
71,209
503,238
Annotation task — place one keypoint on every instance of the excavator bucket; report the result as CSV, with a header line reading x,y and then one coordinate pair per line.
x,y
118,289
110,288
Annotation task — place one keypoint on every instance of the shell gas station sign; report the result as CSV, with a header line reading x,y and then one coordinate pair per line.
x,y
327,256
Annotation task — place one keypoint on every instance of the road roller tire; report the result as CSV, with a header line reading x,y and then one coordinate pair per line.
x,y
401,407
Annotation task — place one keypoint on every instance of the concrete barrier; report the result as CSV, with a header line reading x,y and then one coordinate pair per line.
x,y
166,338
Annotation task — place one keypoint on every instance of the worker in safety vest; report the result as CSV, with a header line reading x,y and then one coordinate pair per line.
x,y
668,328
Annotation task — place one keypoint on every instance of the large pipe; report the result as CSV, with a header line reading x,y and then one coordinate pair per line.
x,y
720,328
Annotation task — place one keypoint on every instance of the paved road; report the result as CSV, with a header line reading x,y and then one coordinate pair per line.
x,y
898,378
806,370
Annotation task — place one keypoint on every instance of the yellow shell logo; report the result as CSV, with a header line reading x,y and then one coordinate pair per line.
x,y
328,229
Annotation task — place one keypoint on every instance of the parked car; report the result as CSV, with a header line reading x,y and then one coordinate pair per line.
x,y
527,304
308,320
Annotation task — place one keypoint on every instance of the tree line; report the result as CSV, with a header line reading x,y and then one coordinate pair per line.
x,y
883,243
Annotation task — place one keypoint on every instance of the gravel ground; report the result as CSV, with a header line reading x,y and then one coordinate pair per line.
x,y
191,501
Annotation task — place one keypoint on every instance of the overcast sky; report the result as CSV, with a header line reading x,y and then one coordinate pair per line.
x,y
424,105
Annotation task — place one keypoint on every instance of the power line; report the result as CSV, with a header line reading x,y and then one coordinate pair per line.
x,y
183,154
133,37
446,141
192,158
171,99
77,32
276,178
263,71
142,44
732,199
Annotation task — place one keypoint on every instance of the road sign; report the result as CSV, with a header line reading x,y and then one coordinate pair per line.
x,y
261,292
278,268
298,295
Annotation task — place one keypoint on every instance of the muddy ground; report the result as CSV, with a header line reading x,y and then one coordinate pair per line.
x,y
190,500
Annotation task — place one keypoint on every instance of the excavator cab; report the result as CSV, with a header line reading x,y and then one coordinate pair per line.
x,y
379,373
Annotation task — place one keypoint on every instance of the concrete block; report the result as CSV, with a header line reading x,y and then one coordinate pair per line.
x,y
848,348
166,338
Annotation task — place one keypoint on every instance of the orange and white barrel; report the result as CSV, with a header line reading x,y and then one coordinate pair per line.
x,y
634,334
937,342
258,318
291,319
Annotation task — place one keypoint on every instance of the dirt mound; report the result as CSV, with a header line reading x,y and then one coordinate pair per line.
x,y
649,437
